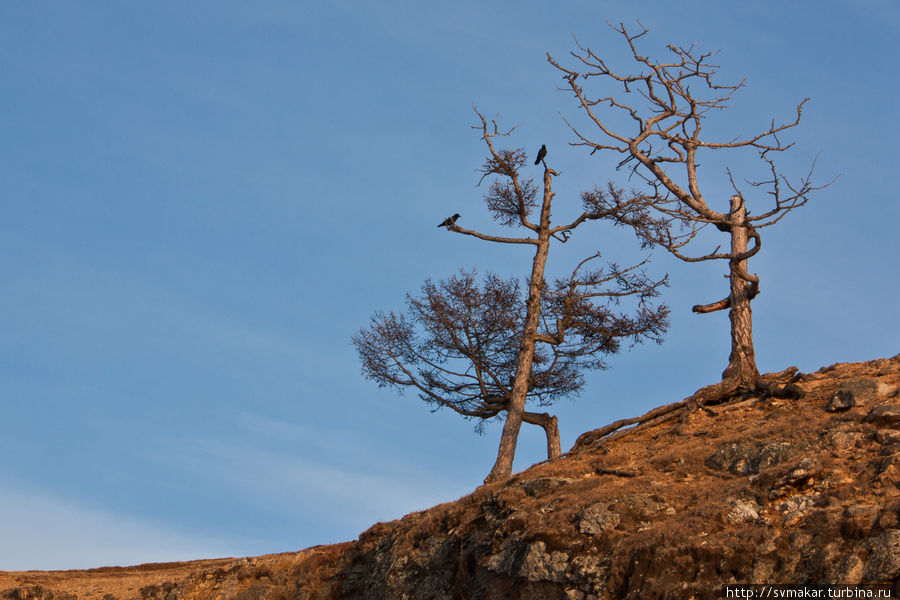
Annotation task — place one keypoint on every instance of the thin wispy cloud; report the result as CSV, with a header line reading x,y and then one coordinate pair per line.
x,y
314,484
57,534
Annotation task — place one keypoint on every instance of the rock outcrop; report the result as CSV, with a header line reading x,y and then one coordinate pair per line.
x,y
779,490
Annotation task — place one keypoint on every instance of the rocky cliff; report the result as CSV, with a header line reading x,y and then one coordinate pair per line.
x,y
755,489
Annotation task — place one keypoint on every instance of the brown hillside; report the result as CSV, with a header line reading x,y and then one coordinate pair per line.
x,y
765,490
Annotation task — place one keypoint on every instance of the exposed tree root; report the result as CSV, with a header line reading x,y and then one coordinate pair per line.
x,y
772,385
589,437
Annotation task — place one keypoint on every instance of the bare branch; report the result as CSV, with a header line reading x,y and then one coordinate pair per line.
x,y
492,238
513,199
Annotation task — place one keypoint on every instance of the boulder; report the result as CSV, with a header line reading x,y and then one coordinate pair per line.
x,y
743,511
859,392
596,519
886,415
540,565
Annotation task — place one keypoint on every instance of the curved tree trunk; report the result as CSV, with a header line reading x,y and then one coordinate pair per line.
x,y
515,412
551,430
742,360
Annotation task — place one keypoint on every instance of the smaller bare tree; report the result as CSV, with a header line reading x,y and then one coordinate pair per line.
x,y
457,345
665,105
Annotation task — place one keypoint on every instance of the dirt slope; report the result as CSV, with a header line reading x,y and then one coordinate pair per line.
x,y
772,490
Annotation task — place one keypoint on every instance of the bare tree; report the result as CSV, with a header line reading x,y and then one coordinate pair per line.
x,y
665,105
457,344
511,198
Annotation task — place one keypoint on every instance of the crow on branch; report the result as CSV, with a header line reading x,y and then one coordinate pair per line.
x,y
449,221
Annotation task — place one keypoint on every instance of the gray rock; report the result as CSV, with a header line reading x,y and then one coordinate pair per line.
x,y
530,560
591,571
508,557
745,459
596,519
884,557
796,508
886,415
858,392
540,565
841,400
742,511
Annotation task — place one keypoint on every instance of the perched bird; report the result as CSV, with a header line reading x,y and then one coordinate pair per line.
x,y
541,154
449,221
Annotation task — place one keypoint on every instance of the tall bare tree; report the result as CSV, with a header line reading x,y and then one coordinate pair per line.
x,y
457,345
664,106
511,199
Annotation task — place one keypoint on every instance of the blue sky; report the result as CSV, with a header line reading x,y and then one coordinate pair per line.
x,y
202,202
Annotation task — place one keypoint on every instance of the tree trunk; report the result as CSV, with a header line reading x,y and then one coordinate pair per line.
x,y
503,466
551,430
742,360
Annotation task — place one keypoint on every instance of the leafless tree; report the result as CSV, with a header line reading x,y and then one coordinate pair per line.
x,y
665,105
567,317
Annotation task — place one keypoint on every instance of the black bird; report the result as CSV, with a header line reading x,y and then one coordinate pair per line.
x,y
449,221
541,154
